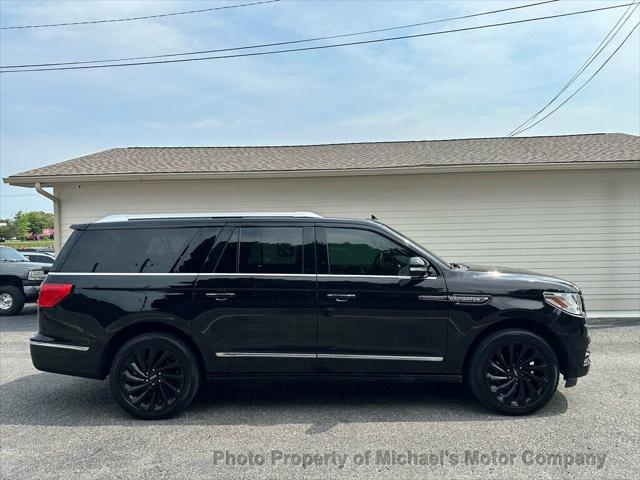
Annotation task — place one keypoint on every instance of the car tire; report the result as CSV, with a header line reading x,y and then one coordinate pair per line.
x,y
514,372
154,376
11,300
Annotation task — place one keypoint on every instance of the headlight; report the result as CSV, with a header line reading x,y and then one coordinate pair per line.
x,y
35,275
567,302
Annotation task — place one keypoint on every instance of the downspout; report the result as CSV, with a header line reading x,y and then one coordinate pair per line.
x,y
56,214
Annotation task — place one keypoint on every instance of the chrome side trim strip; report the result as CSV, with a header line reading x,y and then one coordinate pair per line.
x,y
409,358
59,345
325,275
97,274
340,356
307,275
434,298
264,355
105,274
398,277
467,299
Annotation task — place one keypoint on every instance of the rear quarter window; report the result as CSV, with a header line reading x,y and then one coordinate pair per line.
x,y
143,250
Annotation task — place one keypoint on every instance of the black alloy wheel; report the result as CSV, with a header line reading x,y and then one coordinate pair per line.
x,y
154,376
151,378
518,374
513,371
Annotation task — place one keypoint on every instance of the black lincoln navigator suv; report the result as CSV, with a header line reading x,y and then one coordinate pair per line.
x,y
161,303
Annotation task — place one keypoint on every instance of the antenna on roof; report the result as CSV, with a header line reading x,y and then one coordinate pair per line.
x,y
373,217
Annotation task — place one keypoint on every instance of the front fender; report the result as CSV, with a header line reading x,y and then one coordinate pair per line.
x,y
468,323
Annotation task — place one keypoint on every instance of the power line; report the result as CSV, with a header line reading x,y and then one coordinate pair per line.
x,y
321,47
584,84
275,44
129,19
599,49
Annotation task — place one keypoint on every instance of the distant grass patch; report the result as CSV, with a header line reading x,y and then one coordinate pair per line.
x,y
27,243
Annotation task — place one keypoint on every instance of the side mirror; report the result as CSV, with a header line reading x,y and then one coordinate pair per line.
x,y
418,267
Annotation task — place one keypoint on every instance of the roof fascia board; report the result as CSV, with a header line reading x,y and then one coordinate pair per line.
x,y
49,180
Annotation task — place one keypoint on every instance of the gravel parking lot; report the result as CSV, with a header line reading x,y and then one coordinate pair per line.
x,y
55,426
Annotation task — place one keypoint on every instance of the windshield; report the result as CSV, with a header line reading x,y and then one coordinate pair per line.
x,y
11,255
418,246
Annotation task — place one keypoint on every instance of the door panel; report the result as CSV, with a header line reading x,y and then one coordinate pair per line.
x,y
262,322
379,323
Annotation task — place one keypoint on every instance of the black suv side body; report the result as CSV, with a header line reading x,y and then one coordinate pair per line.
x,y
220,296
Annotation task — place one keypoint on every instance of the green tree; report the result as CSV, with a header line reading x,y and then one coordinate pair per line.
x,y
8,228
38,221
27,223
22,227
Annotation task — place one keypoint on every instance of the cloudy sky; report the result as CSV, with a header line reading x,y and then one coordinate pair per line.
x,y
470,84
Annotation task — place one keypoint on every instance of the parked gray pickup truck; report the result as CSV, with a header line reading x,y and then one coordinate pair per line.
x,y
20,280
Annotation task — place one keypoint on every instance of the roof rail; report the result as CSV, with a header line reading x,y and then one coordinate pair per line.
x,y
160,216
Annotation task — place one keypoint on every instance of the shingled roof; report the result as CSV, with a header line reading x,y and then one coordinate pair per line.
x,y
478,152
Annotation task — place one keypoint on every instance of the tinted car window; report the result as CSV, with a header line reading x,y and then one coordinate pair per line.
x,y
196,253
40,258
145,250
270,250
361,252
229,259
263,250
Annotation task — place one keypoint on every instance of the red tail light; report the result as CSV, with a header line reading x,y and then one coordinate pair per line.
x,y
51,294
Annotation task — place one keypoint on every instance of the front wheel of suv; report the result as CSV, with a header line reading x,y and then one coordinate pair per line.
x,y
514,372
154,376
11,300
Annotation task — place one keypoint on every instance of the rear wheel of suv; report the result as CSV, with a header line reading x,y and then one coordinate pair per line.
x,y
11,300
514,372
154,376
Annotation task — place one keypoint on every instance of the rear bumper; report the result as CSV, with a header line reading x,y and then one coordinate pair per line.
x,y
52,355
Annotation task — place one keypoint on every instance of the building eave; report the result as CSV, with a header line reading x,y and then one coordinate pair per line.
x,y
52,180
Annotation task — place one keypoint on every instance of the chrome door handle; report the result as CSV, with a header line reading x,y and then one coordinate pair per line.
x,y
220,296
341,297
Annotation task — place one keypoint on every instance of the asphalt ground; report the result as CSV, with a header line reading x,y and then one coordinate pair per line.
x,y
54,426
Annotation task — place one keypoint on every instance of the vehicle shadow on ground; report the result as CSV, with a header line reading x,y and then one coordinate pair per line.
x,y
48,399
